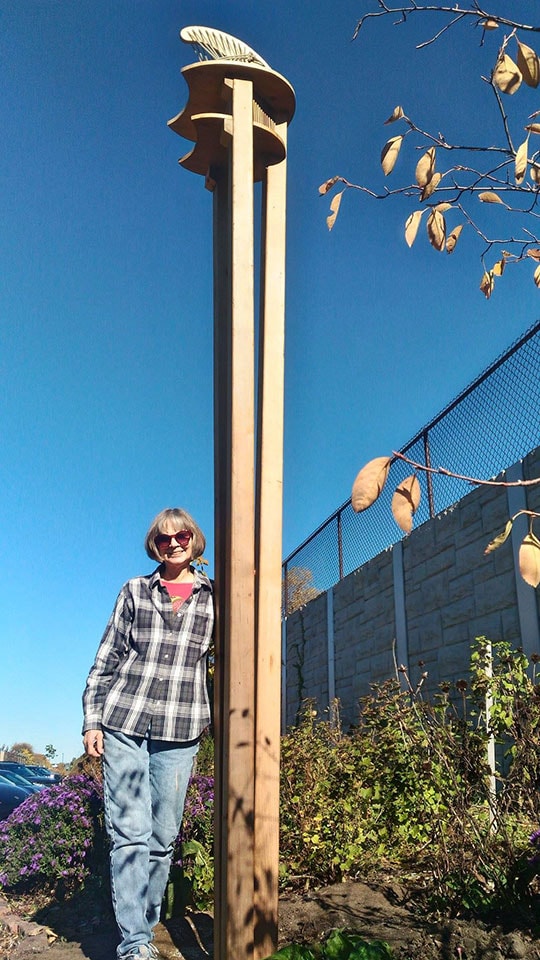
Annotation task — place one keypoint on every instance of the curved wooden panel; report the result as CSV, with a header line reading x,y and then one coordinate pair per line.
x,y
206,92
211,146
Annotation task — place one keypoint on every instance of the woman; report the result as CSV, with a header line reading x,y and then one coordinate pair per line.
x,y
145,708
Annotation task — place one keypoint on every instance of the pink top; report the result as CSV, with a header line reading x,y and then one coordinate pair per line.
x,y
178,592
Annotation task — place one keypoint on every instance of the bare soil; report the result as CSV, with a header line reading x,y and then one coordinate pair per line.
x,y
84,928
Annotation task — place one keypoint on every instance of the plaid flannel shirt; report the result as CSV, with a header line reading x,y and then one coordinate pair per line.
x,y
151,664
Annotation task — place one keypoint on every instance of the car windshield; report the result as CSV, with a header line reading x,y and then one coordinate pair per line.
x,y
6,781
16,778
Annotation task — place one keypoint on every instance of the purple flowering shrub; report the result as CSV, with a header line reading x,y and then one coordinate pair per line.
x,y
525,869
193,858
198,822
534,840
49,838
56,838
533,858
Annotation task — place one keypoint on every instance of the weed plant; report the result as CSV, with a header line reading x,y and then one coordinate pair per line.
x,y
339,945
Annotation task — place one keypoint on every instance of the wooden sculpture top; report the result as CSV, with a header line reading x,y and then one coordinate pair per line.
x,y
207,115
221,57
210,44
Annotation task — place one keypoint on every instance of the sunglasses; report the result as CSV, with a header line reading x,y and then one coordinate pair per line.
x,y
164,540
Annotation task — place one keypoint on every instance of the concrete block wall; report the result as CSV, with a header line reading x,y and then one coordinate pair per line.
x,y
452,594
363,631
307,657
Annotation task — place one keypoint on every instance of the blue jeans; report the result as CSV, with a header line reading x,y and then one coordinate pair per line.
x,y
145,783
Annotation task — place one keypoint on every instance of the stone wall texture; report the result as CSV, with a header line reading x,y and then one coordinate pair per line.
x,y
453,593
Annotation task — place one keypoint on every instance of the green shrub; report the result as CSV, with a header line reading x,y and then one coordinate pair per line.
x,y
505,673
322,822
411,784
380,792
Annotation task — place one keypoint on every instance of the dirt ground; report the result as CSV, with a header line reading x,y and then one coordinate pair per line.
x,y
69,932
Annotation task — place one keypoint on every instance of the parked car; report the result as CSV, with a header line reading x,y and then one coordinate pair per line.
x,y
10,798
28,790
30,772
44,772
18,781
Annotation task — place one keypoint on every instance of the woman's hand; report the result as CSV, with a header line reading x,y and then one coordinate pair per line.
x,y
93,743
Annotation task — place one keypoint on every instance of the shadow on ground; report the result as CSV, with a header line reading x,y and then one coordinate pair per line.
x,y
84,928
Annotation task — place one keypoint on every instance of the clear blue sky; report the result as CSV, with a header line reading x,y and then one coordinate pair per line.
x,y
106,299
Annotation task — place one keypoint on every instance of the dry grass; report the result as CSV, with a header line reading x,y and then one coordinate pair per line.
x,y
8,940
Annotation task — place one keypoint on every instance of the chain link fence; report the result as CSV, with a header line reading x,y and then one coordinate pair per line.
x,y
491,425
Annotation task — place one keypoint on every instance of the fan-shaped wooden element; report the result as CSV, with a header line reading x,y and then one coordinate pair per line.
x,y
212,44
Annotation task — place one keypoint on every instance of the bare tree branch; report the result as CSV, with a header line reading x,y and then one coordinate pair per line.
x,y
510,177
446,27
457,12
502,112
473,480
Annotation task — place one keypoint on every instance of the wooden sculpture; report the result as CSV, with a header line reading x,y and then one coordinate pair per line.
x,y
236,116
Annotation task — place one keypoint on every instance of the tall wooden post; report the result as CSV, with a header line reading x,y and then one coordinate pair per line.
x,y
237,115
269,556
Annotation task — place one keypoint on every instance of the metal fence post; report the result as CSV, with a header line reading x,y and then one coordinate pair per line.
x,y
429,476
340,545
330,649
526,597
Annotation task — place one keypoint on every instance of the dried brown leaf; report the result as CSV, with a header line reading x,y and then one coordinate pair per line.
x,y
443,207
334,207
369,483
506,75
436,230
534,253
405,502
499,539
529,560
411,226
489,24
488,196
534,174
390,153
533,127
521,161
431,186
498,268
396,114
425,168
529,64
536,276
487,283
453,238
327,185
